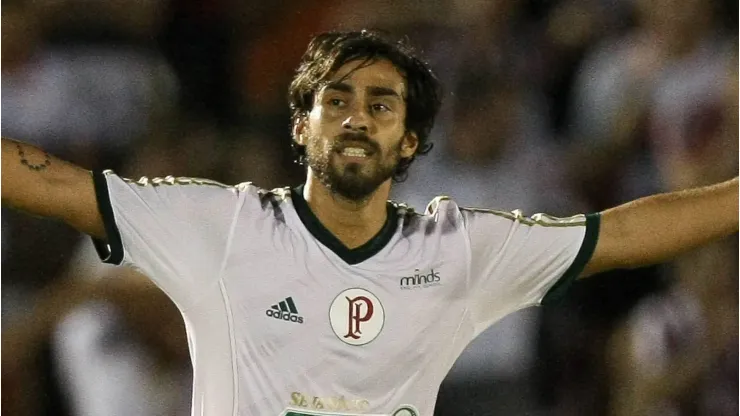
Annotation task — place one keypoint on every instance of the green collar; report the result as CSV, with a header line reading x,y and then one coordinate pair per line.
x,y
349,255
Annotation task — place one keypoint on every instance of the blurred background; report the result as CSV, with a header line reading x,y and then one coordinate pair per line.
x,y
557,106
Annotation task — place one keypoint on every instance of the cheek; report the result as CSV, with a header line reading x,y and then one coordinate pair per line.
x,y
391,120
318,144
321,122
392,149
390,132
324,114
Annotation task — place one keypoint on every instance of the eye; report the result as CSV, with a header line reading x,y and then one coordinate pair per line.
x,y
381,108
336,102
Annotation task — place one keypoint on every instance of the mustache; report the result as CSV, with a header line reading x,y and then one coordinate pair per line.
x,y
356,137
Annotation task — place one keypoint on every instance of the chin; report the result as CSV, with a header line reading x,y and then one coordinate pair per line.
x,y
354,185
355,192
353,169
354,181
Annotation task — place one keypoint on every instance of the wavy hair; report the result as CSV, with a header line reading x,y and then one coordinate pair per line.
x,y
328,52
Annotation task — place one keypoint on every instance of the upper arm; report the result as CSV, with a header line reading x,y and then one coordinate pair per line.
x,y
176,231
522,261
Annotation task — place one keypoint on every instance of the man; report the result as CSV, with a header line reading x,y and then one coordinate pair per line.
x,y
326,298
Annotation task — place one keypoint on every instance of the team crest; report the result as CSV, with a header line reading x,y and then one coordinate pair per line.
x,y
356,316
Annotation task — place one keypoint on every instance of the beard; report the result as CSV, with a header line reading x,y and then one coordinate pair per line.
x,y
352,181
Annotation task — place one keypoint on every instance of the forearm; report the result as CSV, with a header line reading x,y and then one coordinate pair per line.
x,y
28,174
40,184
656,228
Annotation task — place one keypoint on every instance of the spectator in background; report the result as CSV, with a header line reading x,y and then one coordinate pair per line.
x,y
86,97
633,93
123,353
84,92
677,352
676,47
118,347
565,33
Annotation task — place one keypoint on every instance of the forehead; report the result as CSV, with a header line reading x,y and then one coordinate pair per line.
x,y
379,73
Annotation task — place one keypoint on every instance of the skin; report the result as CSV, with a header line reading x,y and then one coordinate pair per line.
x,y
362,105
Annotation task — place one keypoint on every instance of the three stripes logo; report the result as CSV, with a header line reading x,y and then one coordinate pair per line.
x,y
285,310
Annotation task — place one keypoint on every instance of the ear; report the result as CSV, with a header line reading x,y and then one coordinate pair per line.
x,y
409,144
299,130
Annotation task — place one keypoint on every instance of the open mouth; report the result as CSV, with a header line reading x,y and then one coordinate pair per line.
x,y
354,152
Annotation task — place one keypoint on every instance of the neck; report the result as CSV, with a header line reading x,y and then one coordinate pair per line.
x,y
354,223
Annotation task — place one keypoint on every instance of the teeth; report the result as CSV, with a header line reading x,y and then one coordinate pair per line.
x,y
354,152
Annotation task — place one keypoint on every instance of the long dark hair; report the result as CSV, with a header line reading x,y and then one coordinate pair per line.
x,y
329,51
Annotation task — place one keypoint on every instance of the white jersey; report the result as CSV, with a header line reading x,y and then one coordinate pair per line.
x,y
283,319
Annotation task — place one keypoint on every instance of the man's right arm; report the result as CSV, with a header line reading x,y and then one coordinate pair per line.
x,y
40,184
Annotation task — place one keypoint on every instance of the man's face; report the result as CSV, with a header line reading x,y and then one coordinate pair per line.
x,y
354,134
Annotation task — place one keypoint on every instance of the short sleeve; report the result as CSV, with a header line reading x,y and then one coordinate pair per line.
x,y
518,261
173,230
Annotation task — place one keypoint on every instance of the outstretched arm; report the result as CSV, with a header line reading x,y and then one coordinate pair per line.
x,y
654,229
40,184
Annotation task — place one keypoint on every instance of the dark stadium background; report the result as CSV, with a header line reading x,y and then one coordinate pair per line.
x,y
198,88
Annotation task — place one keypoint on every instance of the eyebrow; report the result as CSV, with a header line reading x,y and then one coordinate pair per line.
x,y
339,86
374,91
384,92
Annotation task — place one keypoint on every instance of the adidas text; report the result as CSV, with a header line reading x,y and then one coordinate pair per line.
x,y
285,316
285,310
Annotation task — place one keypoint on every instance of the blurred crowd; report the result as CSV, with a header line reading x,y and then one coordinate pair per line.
x,y
557,106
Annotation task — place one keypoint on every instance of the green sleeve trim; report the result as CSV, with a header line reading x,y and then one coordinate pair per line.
x,y
112,250
558,291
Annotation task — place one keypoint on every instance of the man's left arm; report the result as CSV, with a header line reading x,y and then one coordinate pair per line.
x,y
657,228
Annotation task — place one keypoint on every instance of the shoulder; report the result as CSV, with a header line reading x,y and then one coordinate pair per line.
x,y
444,209
186,192
247,189
441,215
266,199
163,183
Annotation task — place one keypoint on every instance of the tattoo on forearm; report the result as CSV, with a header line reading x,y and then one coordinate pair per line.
x,y
24,161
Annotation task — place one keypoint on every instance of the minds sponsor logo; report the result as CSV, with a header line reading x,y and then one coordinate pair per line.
x,y
420,280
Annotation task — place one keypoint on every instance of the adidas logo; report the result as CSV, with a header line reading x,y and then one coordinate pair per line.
x,y
285,310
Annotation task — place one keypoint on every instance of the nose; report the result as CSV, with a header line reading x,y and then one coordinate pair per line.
x,y
357,121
